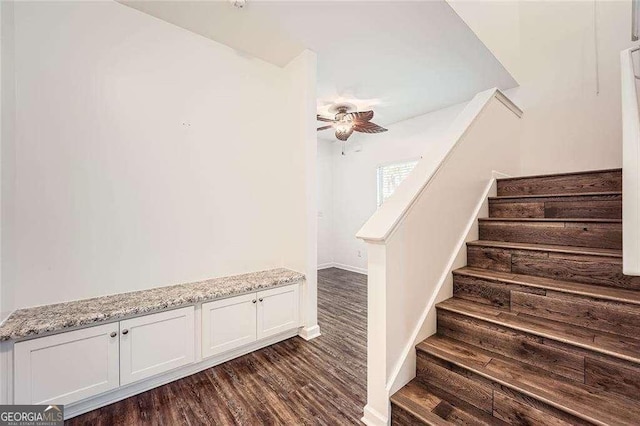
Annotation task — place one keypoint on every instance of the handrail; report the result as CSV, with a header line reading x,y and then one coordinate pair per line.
x,y
635,10
387,219
630,164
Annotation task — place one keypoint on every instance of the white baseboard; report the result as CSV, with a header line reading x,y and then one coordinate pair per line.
x,y
343,266
373,418
308,333
351,268
127,391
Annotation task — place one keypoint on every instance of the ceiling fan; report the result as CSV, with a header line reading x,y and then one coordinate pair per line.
x,y
347,120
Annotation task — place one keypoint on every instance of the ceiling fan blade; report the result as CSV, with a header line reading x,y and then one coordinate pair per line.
x,y
343,136
362,116
368,127
328,120
325,127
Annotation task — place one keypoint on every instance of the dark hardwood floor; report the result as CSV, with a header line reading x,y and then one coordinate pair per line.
x,y
322,381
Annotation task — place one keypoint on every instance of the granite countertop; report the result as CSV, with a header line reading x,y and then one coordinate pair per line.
x,y
51,318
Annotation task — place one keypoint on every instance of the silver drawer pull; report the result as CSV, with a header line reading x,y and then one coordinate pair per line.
x,y
113,334
261,299
253,301
125,331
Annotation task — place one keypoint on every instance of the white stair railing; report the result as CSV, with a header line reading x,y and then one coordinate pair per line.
x,y
629,60
418,236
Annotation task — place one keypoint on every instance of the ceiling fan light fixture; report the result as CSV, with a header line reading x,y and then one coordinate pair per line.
x,y
344,127
345,123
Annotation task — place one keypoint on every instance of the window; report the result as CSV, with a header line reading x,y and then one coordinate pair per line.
x,y
390,176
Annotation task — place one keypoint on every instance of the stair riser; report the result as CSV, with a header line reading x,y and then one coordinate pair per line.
x,y
604,315
605,207
598,270
489,396
603,181
578,234
511,343
573,363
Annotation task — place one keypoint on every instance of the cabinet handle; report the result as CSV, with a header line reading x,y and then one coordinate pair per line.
x,y
125,331
113,334
253,301
261,299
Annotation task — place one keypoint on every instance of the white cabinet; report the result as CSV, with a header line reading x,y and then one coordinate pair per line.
x,y
74,366
153,344
277,310
228,324
66,367
238,321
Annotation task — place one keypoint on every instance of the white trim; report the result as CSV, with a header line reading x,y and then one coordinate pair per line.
x,y
326,265
373,418
351,268
355,269
630,165
389,216
408,160
473,220
127,391
6,367
509,103
308,333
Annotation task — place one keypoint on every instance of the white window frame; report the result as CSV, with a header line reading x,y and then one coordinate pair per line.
x,y
379,180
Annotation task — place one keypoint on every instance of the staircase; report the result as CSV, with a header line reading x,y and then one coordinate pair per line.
x,y
543,327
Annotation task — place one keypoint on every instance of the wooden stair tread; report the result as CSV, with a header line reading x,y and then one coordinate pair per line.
x,y
580,400
616,170
566,195
419,402
595,291
429,404
547,219
598,341
589,251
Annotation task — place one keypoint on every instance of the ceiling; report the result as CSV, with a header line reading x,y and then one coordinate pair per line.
x,y
402,59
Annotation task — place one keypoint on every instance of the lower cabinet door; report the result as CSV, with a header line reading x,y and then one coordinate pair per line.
x,y
66,367
153,344
228,324
278,310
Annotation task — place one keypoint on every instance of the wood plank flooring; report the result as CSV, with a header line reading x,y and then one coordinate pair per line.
x,y
320,382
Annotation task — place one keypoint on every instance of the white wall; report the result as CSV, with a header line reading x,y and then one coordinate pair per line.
x,y
7,151
325,203
145,156
354,183
298,191
497,25
567,126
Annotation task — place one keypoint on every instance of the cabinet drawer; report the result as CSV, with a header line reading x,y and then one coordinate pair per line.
x,y
67,367
278,310
156,343
228,324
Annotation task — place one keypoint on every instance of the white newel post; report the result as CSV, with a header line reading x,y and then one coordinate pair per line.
x,y
377,410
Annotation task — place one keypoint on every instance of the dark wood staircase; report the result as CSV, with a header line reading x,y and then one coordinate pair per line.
x,y
543,327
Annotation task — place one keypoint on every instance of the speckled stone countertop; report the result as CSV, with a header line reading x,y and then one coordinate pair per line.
x,y
51,318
